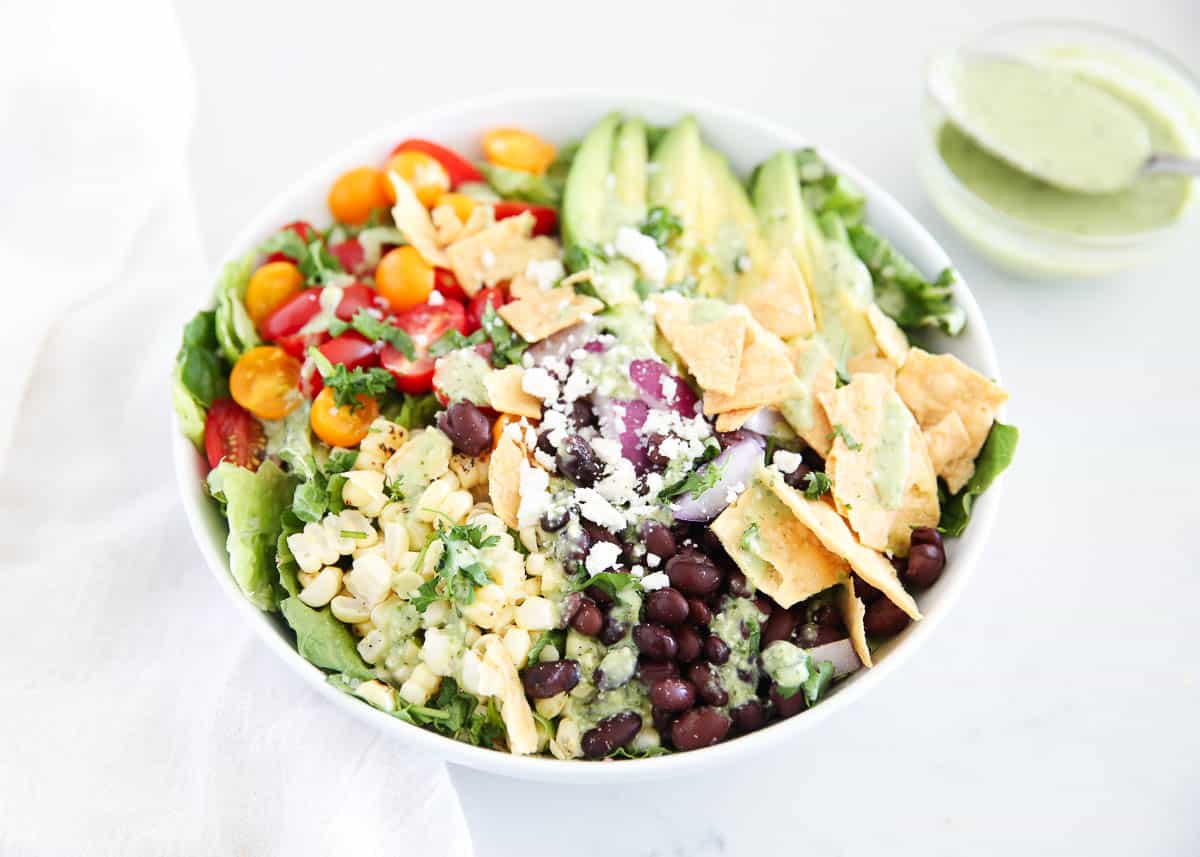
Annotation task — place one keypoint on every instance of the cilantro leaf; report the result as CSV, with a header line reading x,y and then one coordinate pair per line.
x,y
820,675
377,331
318,265
509,346
287,242
611,582
425,595
340,460
418,411
818,484
348,385
580,257
452,340
458,571
661,225
546,638
839,430
697,483
749,535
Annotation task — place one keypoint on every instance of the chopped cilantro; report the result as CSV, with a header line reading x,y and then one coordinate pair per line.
x,y
749,535
661,225
376,331
580,257
457,714
819,677
818,484
697,483
348,385
839,430
509,346
546,638
353,534
611,582
314,260
452,340
458,571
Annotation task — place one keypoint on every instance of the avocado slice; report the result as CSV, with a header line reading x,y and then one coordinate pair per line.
x,y
584,209
737,252
676,184
630,158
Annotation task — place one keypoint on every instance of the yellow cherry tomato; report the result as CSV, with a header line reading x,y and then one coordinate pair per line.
x,y
404,278
269,287
357,193
342,425
462,204
424,174
264,381
518,150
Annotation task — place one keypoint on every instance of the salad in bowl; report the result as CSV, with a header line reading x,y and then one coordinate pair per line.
x,y
594,450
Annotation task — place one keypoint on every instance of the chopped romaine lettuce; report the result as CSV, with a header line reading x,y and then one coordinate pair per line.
x,y
324,641
997,453
900,289
545,189
254,503
190,412
235,332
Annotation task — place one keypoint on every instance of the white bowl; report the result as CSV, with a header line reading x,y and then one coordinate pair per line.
x,y
560,116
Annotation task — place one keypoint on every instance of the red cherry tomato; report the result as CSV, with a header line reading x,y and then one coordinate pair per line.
x,y
302,228
298,344
545,219
457,167
296,312
351,349
424,324
283,326
446,283
231,433
479,303
350,254
355,297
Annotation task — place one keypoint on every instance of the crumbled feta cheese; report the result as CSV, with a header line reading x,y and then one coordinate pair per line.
x,y
618,486
535,495
637,571
436,298
530,436
578,385
654,484
657,580
545,460
653,560
602,557
668,387
597,509
545,272
488,258
643,251
786,462
540,384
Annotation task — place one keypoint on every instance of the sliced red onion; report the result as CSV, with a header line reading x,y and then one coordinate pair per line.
x,y
562,344
620,420
739,463
840,653
595,346
648,377
766,421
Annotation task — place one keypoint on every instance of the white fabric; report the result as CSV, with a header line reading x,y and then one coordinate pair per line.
x,y
139,715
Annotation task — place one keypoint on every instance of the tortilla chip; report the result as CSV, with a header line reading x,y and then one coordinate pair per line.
x,y
890,339
480,218
711,348
522,287
853,613
834,533
539,315
934,386
877,429
948,443
584,276
816,373
514,706
504,474
734,420
780,555
412,219
506,395
497,253
765,376
869,364
782,302
446,224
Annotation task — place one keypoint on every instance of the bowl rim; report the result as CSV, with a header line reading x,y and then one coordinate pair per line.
x,y
426,742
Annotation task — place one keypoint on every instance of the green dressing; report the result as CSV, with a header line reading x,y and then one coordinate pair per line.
x,y
889,458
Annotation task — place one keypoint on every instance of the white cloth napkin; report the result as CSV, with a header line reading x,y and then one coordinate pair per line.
x,y
139,714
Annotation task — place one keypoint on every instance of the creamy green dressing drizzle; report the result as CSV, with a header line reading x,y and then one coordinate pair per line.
x,y
798,409
889,459
739,675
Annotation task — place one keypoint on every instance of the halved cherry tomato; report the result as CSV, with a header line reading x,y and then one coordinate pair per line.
x,y
230,433
462,204
447,284
289,318
424,174
302,228
350,254
355,296
457,167
479,303
351,349
424,324
342,425
270,287
404,278
263,381
545,219
518,149
357,193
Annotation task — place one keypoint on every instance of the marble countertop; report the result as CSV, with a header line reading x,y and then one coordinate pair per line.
x,y
1054,711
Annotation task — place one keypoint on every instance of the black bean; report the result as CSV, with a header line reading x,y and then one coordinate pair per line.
x,y
655,671
600,596
787,706
690,644
598,534
927,536
469,429
865,591
798,478
729,438
546,445
810,635
749,716
582,414
551,678
739,587
588,620
824,614
655,641
692,573
716,650
577,461
925,564
764,604
654,454
611,733
658,540
883,619
700,727
662,720
708,684
613,630
666,606
555,519
673,694
778,627
699,613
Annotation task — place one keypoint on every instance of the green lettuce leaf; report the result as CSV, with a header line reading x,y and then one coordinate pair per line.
x,y
285,562
235,332
290,440
254,503
900,289
324,641
190,412
997,453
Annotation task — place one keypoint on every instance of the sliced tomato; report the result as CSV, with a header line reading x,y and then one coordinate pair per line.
x,y
298,344
351,255
355,297
457,167
424,324
545,219
292,315
446,283
231,433
351,349
302,228
479,303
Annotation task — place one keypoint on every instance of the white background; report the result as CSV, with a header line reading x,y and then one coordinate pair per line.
x,y
1055,711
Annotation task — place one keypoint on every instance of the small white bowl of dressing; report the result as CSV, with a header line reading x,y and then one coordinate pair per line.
x,y
1036,229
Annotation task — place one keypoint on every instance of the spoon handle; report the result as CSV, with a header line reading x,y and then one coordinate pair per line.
x,y
1164,162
